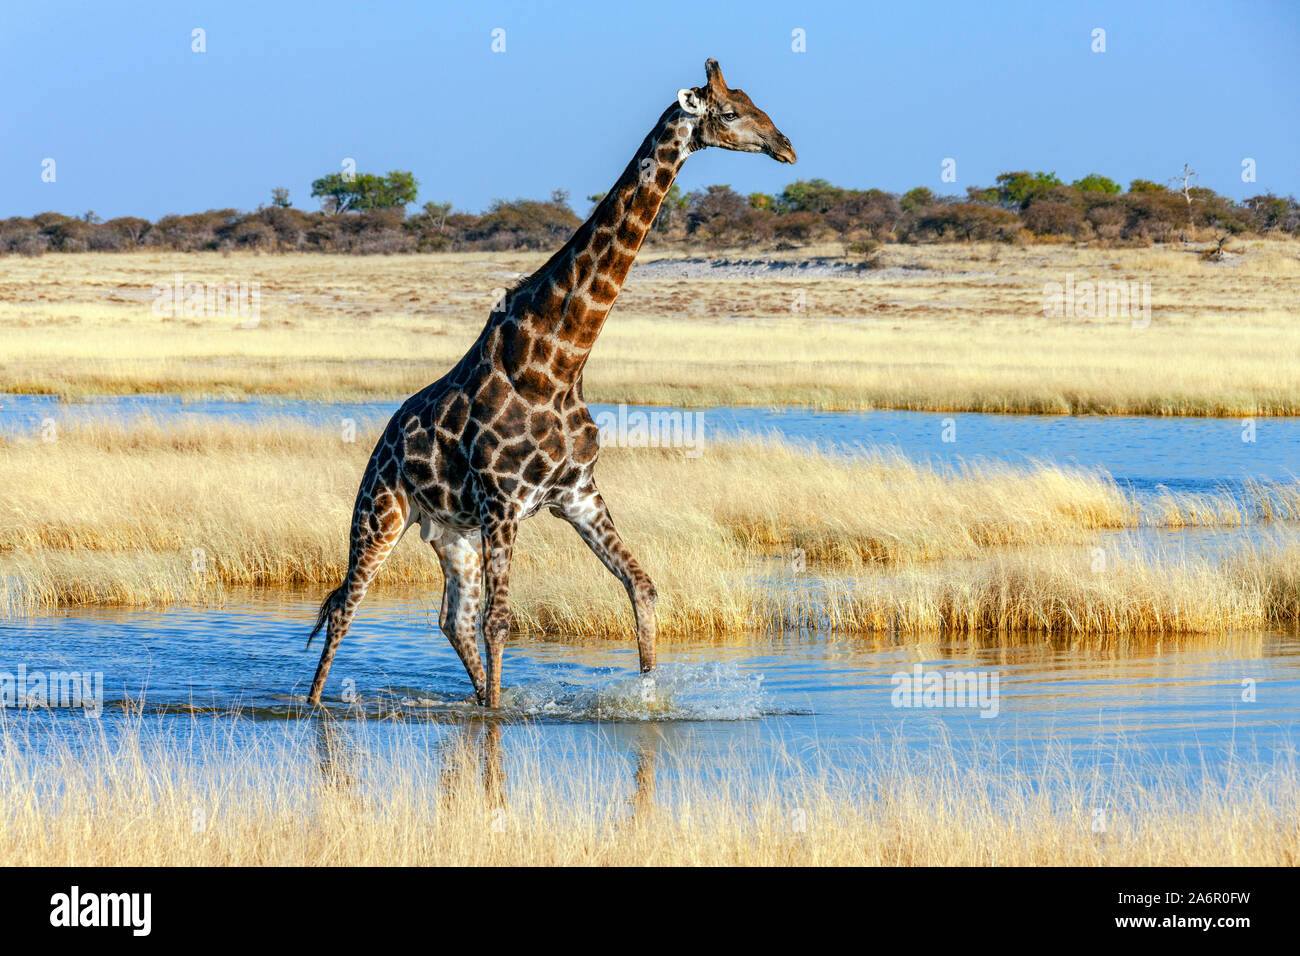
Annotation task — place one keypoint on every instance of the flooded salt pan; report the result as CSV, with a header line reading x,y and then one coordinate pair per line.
x,y
1181,454
792,697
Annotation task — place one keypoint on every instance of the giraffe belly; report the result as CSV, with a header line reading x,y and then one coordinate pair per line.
x,y
430,517
437,526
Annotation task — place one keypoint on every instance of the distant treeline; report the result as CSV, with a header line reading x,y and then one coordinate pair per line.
x,y
1020,205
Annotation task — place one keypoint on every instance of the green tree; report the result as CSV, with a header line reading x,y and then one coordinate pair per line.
x,y
915,199
1017,190
280,197
810,195
432,215
399,188
1096,183
340,193
1271,212
429,226
1145,186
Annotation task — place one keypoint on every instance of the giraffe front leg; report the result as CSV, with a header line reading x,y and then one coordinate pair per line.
x,y
589,516
500,524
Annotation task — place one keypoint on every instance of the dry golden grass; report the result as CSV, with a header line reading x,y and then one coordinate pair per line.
x,y
142,797
120,513
1058,591
952,328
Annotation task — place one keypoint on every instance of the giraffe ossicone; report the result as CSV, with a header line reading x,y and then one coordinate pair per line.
x,y
506,432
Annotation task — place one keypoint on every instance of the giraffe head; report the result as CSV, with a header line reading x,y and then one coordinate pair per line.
x,y
729,119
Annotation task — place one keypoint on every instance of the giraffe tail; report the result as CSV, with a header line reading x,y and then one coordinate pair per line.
x,y
326,608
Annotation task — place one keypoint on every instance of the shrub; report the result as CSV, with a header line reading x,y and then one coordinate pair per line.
x,y
130,229
1108,219
797,226
716,215
1020,204
962,220
523,223
1053,217
872,214
1154,214
1269,213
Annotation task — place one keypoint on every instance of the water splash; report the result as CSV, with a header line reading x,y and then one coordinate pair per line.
x,y
708,690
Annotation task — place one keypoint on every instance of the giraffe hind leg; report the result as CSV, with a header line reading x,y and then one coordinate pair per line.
x,y
375,532
462,596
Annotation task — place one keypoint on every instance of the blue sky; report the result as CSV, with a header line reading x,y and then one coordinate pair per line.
x,y
138,124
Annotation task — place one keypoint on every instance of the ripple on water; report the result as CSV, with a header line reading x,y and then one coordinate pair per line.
x,y
697,690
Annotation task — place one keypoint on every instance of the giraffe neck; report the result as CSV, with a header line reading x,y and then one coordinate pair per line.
x,y
567,300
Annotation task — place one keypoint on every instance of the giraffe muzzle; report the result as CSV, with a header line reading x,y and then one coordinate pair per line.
x,y
780,149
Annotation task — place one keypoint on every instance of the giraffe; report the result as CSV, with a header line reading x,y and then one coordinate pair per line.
x,y
506,432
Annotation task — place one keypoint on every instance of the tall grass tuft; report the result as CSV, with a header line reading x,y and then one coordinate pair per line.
x,y
750,534
304,793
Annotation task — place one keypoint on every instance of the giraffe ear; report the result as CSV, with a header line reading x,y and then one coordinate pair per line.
x,y
690,101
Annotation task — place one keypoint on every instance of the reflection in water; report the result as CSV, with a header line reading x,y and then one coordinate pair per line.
x,y
800,701
647,753
773,694
494,770
335,754
470,755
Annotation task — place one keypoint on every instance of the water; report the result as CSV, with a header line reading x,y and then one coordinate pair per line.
x,y
1192,454
789,699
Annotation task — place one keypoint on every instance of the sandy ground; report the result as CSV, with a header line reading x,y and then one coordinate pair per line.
x,y
945,328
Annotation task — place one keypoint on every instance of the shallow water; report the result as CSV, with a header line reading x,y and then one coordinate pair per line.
x,y
1199,454
796,701
792,700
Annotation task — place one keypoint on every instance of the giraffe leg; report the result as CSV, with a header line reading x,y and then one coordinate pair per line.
x,y
643,798
462,598
494,768
587,512
500,524
377,525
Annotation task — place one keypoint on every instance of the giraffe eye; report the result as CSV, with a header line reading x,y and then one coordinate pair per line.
x,y
729,115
